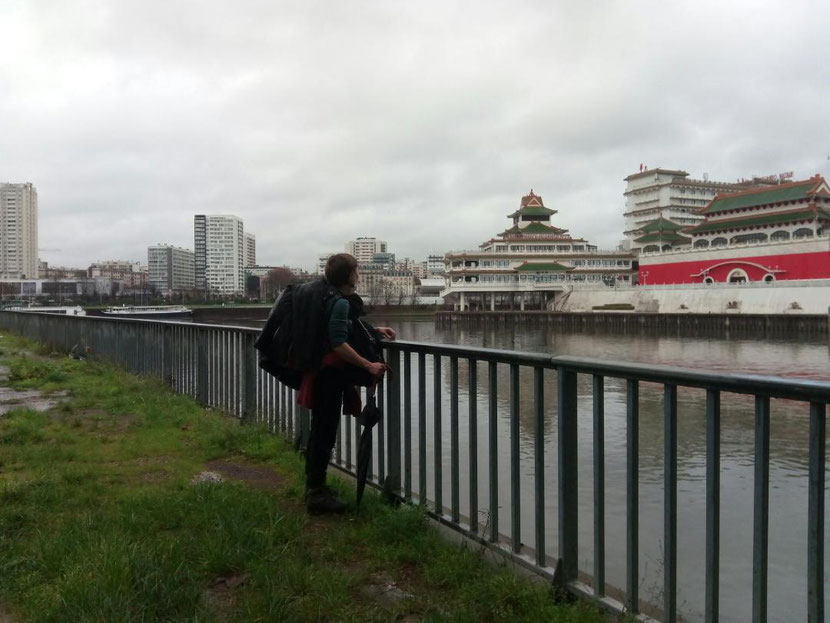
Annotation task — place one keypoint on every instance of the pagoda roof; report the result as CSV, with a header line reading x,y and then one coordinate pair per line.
x,y
793,191
669,236
532,212
534,228
660,225
774,218
532,205
543,267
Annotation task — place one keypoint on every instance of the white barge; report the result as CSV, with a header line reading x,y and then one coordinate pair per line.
x,y
159,312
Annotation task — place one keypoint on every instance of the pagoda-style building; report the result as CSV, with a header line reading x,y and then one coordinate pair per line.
x,y
532,261
661,235
762,234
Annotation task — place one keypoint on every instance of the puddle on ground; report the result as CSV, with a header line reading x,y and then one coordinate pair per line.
x,y
27,399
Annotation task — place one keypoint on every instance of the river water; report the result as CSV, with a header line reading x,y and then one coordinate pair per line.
x,y
788,451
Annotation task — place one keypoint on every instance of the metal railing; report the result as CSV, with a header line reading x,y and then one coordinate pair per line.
x,y
217,366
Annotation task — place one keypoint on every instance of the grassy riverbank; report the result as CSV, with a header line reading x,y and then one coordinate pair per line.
x,y
99,520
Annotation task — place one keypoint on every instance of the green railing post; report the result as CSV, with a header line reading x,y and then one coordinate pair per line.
x,y
568,483
248,375
392,485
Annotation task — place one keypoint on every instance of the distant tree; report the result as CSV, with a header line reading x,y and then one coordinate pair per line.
x,y
276,281
388,291
374,290
412,298
281,277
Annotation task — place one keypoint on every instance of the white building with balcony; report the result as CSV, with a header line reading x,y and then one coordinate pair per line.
x,y
171,269
672,194
250,249
531,263
18,231
219,253
363,249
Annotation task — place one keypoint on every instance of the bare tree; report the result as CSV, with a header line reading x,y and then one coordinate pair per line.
x,y
277,280
388,289
374,290
412,298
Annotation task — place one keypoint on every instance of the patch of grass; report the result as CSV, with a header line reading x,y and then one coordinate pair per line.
x,y
23,426
99,521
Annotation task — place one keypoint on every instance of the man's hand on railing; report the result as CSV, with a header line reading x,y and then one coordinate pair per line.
x,y
387,332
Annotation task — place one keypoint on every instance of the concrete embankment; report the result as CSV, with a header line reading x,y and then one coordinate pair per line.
x,y
749,298
256,314
231,314
755,325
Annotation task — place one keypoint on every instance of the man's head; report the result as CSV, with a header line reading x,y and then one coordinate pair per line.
x,y
341,270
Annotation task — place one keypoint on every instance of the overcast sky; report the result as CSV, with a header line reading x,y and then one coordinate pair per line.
x,y
421,123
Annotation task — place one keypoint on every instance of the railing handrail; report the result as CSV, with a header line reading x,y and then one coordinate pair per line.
x,y
772,386
740,383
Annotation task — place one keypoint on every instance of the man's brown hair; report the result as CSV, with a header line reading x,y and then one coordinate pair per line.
x,y
339,268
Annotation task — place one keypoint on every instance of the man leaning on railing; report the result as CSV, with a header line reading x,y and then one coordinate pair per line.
x,y
351,358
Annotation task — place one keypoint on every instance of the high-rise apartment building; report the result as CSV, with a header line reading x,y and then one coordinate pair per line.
x,y
171,269
434,265
250,249
322,260
219,253
18,231
199,251
364,248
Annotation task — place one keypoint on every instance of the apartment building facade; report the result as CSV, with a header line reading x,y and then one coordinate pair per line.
x,y
364,249
219,253
170,269
18,231
250,249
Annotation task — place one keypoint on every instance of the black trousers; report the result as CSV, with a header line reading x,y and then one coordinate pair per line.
x,y
325,418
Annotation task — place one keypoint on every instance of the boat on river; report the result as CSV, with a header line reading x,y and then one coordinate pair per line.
x,y
160,312
68,310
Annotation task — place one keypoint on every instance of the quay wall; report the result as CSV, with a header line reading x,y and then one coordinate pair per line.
x,y
752,298
755,325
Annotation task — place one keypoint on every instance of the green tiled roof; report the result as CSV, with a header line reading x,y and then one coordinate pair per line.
x,y
535,228
789,192
542,267
532,211
766,219
660,224
668,236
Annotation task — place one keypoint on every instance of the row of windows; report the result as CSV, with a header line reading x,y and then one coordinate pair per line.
x,y
525,248
778,236
578,262
542,278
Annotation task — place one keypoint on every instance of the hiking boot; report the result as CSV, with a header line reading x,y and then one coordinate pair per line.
x,y
330,491
321,500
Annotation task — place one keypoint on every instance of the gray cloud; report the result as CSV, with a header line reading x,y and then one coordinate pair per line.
x,y
421,123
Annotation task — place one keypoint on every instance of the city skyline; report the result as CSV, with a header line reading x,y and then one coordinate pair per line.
x,y
398,124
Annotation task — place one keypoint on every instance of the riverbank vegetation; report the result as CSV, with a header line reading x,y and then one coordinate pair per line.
x,y
125,502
